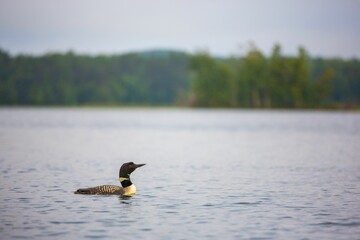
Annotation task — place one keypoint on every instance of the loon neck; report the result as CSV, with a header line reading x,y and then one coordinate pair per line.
x,y
125,181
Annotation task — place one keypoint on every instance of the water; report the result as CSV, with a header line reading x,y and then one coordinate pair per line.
x,y
210,174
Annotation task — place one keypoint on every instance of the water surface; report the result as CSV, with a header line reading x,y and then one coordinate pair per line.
x,y
210,174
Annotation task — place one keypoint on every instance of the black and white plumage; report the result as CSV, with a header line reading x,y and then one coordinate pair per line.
x,y
127,188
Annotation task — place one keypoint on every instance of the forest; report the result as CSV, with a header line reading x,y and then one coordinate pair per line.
x,y
175,78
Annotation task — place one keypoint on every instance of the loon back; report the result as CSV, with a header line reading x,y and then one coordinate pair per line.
x,y
127,188
104,189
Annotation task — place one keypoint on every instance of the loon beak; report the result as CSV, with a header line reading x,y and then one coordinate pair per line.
x,y
139,165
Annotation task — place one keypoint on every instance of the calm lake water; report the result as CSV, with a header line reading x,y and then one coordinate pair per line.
x,y
210,174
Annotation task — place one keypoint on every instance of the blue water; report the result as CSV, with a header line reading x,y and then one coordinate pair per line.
x,y
210,174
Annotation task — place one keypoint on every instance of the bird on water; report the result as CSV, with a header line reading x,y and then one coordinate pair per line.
x,y
127,188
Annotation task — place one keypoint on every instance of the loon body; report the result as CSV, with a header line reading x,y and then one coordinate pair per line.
x,y
127,188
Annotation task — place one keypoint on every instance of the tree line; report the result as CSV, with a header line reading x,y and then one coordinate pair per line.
x,y
178,78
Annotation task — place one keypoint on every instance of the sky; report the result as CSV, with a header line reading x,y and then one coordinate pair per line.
x,y
326,28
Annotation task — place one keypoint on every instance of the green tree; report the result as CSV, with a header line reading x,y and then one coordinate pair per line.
x,y
322,89
301,87
213,81
252,80
279,78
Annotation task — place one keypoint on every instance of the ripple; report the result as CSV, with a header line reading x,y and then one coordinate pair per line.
x,y
247,203
208,205
340,224
27,170
96,236
21,237
68,222
55,234
101,211
24,200
323,214
146,229
171,212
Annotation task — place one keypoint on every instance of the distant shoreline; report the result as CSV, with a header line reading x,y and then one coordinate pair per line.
x,y
176,107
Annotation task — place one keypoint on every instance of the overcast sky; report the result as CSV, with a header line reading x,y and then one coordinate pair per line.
x,y
327,28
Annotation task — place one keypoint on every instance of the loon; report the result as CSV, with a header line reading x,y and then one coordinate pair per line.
x,y
127,187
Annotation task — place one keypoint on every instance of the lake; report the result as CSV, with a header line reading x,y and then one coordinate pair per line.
x,y
209,174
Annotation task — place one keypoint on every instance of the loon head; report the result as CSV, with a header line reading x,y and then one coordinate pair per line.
x,y
124,177
127,168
